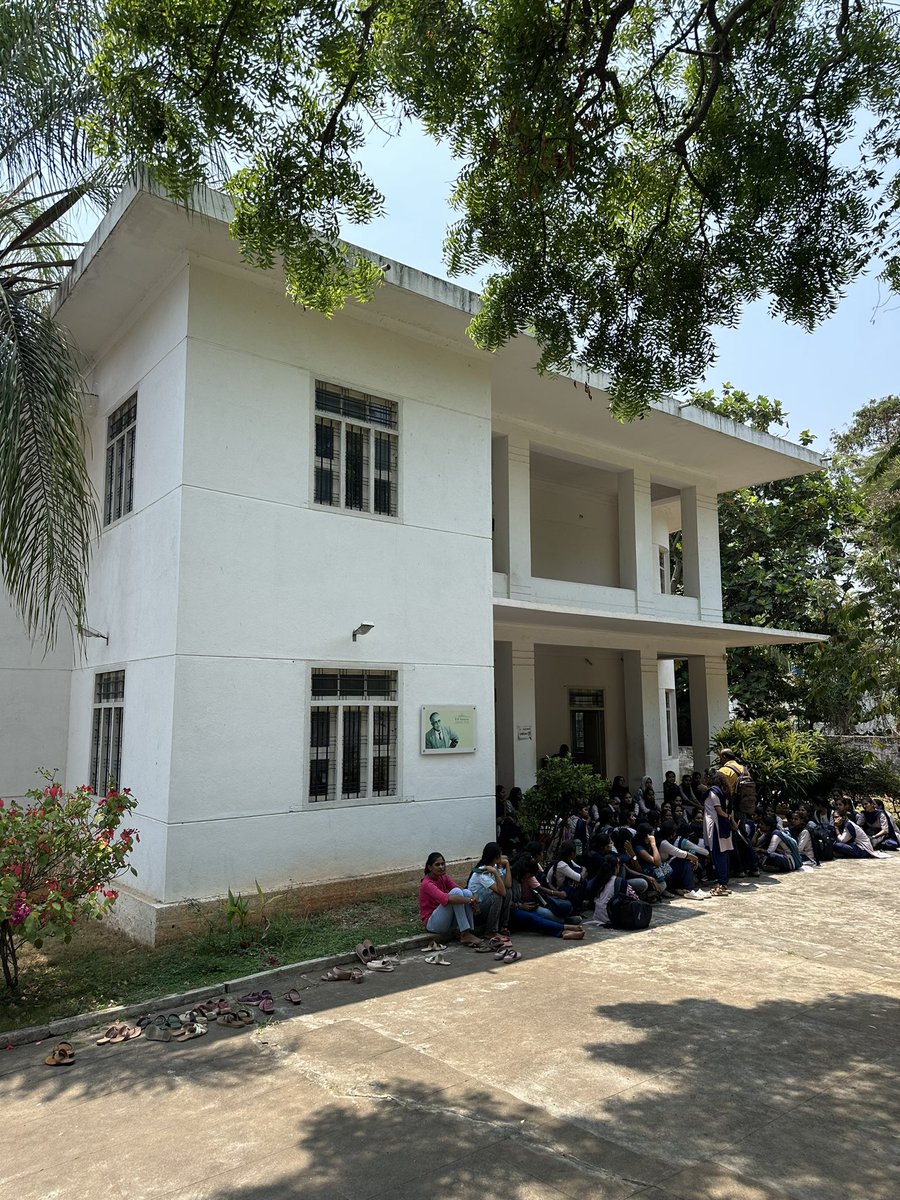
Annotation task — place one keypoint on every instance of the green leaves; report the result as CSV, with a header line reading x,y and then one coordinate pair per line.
x,y
632,174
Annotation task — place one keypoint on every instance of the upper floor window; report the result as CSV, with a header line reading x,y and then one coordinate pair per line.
x,y
106,732
353,734
356,462
119,491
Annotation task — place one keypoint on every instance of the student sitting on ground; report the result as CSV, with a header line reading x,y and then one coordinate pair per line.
x,y
599,850
490,884
797,828
607,879
672,851
443,905
569,875
551,901
877,826
851,840
777,850
524,914
647,855
618,789
631,871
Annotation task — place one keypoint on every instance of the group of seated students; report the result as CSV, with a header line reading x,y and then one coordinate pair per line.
x,y
700,832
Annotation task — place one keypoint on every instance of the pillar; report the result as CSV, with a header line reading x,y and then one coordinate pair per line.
x,y
708,687
521,586
700,540
643,728
523,716
638,564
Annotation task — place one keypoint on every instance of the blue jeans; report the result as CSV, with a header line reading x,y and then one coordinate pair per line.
x,y
848,850
452,916
522,918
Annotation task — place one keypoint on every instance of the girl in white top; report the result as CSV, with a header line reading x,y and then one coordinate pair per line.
x,y
568,875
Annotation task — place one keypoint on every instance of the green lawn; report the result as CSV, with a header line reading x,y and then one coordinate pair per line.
x,y
100,967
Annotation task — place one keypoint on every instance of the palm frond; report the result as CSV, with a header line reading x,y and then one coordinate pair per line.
x,y
48,509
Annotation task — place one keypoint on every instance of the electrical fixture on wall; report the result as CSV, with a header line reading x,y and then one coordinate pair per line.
x,y
86,631
362,628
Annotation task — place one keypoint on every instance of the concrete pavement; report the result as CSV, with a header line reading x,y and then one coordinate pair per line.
x,y
742,1049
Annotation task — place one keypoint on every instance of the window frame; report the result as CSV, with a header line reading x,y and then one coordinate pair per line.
x,y
127,438
343,422
310,803
101,704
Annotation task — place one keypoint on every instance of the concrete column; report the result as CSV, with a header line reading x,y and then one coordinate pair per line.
x,y
638,563
504,733
521,586
643,727
500,503
523,716
708,687
700,539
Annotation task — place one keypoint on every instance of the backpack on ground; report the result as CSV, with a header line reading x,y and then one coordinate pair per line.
x,y
625,913
823,846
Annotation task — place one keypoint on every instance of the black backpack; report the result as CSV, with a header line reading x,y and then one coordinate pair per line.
x,y
823,847
625,913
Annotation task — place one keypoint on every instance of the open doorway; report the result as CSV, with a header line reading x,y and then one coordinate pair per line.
x,y
587,738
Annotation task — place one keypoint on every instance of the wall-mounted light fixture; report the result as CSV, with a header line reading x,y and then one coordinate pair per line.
x,y
362,628
86,631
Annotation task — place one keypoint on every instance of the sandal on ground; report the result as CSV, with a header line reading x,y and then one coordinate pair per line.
x,y
473,945
438,960
127,1033
293,996
251,998
365,952
343,975
173,1022
499,940
61,1056
194,1030
155,1033
432,948
508,955
111,1032
267,1005
380,964
719,890
236,1020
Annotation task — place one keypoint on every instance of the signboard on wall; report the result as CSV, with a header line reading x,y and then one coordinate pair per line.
x,y
447,729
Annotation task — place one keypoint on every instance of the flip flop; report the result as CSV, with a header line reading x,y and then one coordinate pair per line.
x,y
194,1030
507,955
432,948
438,960
173,1021
267,1005
380,964
245,1016
61,1056
153,1033
111,1033
143,1022
343,975
251,998
293,996
126,1034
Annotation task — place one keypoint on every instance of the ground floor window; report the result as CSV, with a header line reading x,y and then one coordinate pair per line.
x,y
587,740
352,735
106,731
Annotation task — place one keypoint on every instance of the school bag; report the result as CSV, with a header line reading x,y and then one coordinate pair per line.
x,y
743,797
625,913
823,847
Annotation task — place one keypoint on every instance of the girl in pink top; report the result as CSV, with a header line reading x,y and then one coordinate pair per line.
x,y
443,905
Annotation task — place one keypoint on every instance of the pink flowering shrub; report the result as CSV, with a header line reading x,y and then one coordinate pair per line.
x,y
59,854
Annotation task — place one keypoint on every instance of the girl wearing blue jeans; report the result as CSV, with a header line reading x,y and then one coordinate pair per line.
x,y
443,904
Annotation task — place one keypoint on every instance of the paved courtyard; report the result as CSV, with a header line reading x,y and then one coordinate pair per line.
x,y
742,1049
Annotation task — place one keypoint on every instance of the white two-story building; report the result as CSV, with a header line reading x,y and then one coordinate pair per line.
x,y
320,535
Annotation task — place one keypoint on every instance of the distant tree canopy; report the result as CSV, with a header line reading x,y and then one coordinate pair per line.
x,y
816,553
632,174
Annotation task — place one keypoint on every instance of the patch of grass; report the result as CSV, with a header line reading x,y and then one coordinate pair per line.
x,y
101,967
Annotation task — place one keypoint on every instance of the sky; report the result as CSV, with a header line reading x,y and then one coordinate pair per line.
x,y
821,378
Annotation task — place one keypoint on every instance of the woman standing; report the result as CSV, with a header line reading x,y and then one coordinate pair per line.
x,y
717,828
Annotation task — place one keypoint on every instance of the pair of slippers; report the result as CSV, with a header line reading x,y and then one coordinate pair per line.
x,y
370,958
507,955
62,1055
437,960
344,975
264,1001
119,1032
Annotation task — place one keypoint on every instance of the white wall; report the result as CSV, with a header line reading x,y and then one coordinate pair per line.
x,y
270,585
574,535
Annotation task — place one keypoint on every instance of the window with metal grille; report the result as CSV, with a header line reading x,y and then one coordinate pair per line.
x,y
356,459
106,732
118,496
352,735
